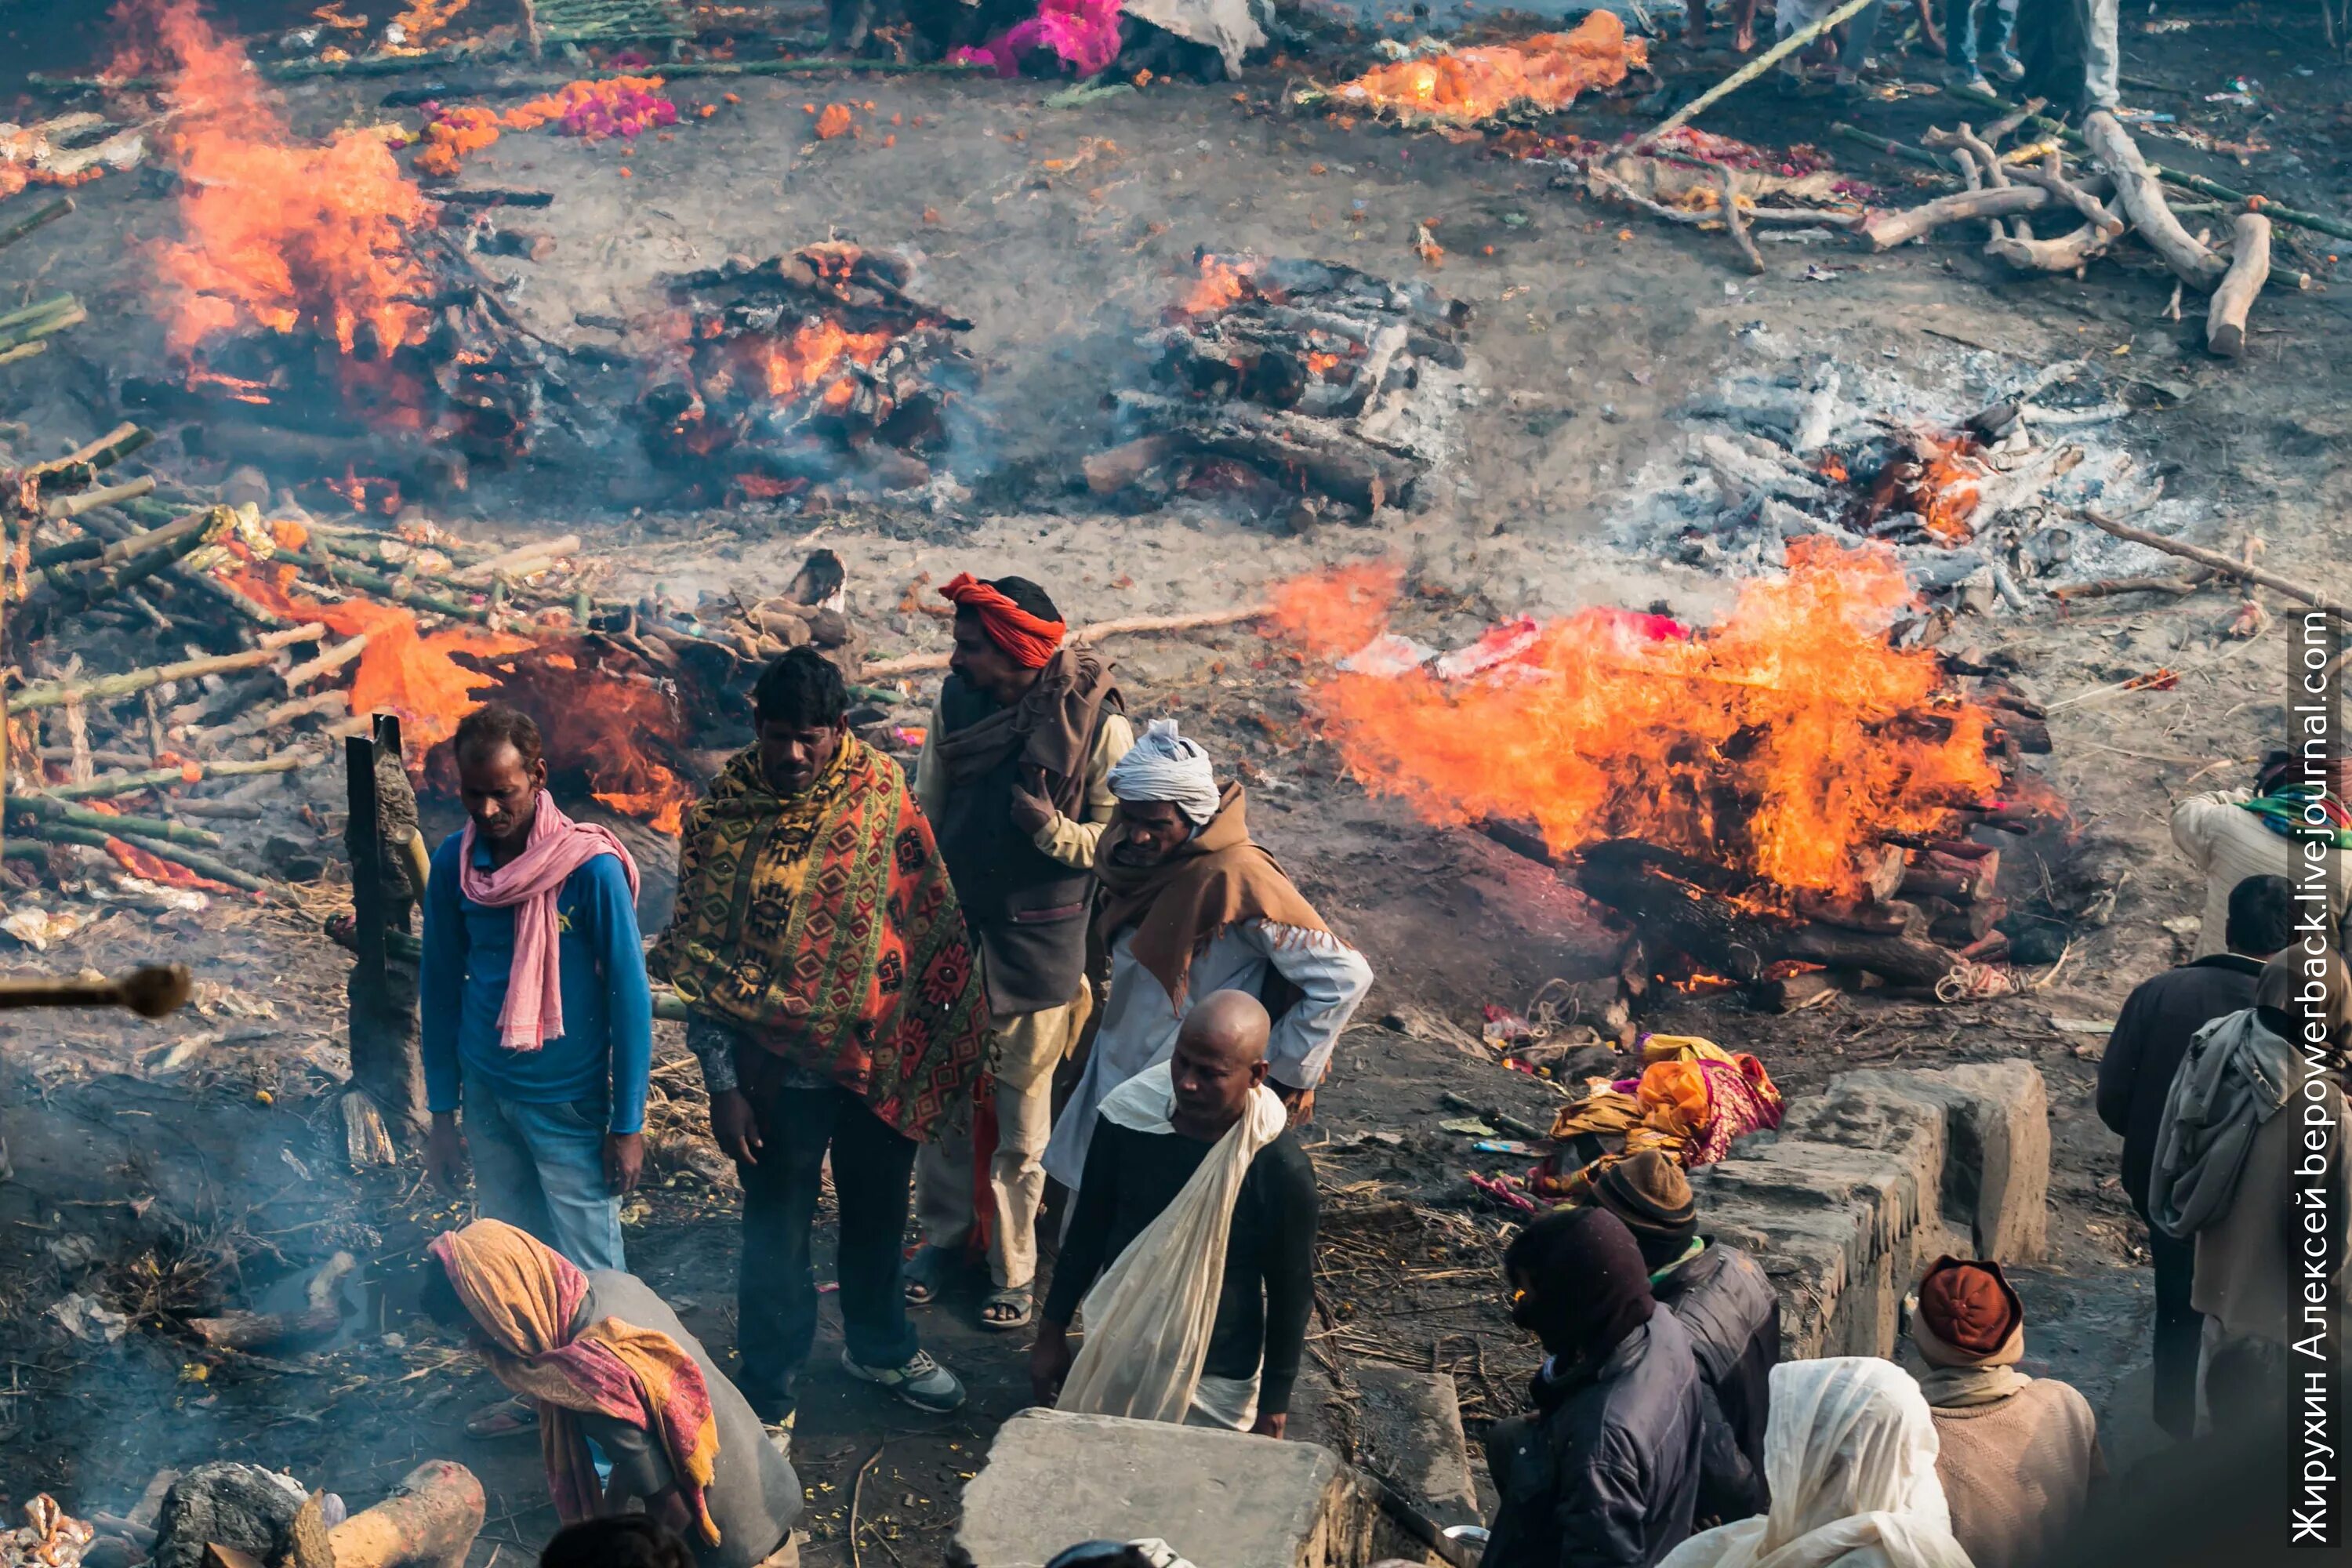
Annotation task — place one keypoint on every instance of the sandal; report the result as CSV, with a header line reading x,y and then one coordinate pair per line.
x,y
926,1273
507,1418
1019,1303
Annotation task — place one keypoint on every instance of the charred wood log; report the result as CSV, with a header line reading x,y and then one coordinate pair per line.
x,y
319,1316
2250,268
1332,460
1704,912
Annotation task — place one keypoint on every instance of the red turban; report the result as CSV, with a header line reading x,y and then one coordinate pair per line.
x,y
1029,641
1970,1305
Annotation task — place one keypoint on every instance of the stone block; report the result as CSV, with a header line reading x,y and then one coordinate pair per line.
x,y
1869,1179
1403,1426
1221,1499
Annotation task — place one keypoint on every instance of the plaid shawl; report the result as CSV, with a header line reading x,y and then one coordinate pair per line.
x,y
823,926
524,1296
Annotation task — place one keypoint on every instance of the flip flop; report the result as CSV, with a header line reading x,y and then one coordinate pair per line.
x,y
1023,1300
507,1418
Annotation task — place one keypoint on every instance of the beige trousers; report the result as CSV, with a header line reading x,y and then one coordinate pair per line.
x,y
1027,1048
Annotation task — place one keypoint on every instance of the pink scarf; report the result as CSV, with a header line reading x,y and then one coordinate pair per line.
x,y
533,1013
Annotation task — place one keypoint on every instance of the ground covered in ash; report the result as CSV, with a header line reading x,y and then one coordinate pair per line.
x,y
170,1169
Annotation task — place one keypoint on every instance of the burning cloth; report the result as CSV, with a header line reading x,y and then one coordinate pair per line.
x,y
1692,1099
524,1296
823,926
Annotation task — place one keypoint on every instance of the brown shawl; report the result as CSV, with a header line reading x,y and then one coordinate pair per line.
x,y
1053,728
1217,878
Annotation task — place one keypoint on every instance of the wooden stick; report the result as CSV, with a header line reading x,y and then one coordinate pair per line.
x,y
519,562
1891,148
1886,230
334,659
151,992
1727,193
2250,267
55,693
2320,222
2179,587
51,808
64,507
2222,564
321,1315
2142,199
1752,69
2051,178
1133,626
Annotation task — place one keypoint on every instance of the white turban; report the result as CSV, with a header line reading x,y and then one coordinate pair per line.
x,y
1164,767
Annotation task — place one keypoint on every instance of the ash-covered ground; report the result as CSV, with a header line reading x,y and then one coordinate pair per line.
x,y
176,1167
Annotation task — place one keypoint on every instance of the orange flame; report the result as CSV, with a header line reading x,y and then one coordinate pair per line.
x,y
422,18
609,725
1544,72
1220,285
814,352
1782,741
1335,613
275,234
403,669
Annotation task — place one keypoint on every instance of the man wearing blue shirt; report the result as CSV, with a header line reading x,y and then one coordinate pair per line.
x,y
538,1022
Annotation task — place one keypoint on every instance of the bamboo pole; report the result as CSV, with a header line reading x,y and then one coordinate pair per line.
x,y
2224,564
202,865
1133,626
151,992
54,304
106,688
399,590
1751,70
103,453
63,507
35,220
51,809
1891,148
163,778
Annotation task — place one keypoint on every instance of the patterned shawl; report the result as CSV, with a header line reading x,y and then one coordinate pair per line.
x,y
523,1297
823,927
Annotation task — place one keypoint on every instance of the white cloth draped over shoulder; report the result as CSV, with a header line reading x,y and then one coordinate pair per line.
x,y
1850,1455
1139,1020
1149,1317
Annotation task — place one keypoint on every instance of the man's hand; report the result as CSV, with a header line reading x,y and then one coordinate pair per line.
x,y
625,1161
1270,1425
1031,808
444,1152
1299,1102
735,1128
1049,1361
668,1510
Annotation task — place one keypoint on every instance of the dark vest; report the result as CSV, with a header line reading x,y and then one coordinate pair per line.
x,y
1027,909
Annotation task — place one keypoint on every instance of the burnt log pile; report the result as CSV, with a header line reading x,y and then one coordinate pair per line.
x,y
1308,375
1926,917
471,386
813,369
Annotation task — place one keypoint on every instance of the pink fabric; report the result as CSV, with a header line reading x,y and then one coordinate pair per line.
x,y
528,884
1083,33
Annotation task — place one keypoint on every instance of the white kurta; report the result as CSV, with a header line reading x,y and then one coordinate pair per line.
x,y
2227,844
1139,1022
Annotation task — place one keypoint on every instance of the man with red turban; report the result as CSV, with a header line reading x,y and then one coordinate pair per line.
x,y
1015,776
2017,1454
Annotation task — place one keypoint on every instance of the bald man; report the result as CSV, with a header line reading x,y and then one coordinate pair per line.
x,y
1144,1148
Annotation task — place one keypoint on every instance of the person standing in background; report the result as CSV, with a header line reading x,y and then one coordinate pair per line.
x,y
2231,834
2151,1035
1015,776
537,1020
1190,905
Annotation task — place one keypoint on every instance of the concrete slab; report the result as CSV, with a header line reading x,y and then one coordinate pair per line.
x,y
1227,1498
1403,1426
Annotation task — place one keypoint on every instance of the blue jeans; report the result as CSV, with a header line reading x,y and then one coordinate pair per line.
x,y
540,1168
1961,29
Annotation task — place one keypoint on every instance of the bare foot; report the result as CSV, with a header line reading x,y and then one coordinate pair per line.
x,y
1743,38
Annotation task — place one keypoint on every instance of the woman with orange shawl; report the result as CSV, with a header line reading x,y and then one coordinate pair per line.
x,y
606,1361
1691,1099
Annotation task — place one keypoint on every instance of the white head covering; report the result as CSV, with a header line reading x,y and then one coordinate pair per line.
x,y
1164,767
1850,1455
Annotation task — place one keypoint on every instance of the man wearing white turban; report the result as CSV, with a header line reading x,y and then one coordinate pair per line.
x,y
1850,1457
1188,906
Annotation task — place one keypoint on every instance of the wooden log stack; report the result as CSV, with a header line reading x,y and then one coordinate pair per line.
x,y
1303,370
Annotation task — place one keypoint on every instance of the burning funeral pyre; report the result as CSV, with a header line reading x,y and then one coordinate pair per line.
x,y
805,369
1313,385
1779,799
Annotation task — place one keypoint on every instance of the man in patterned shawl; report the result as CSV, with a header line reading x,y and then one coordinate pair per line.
x,y
820,947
